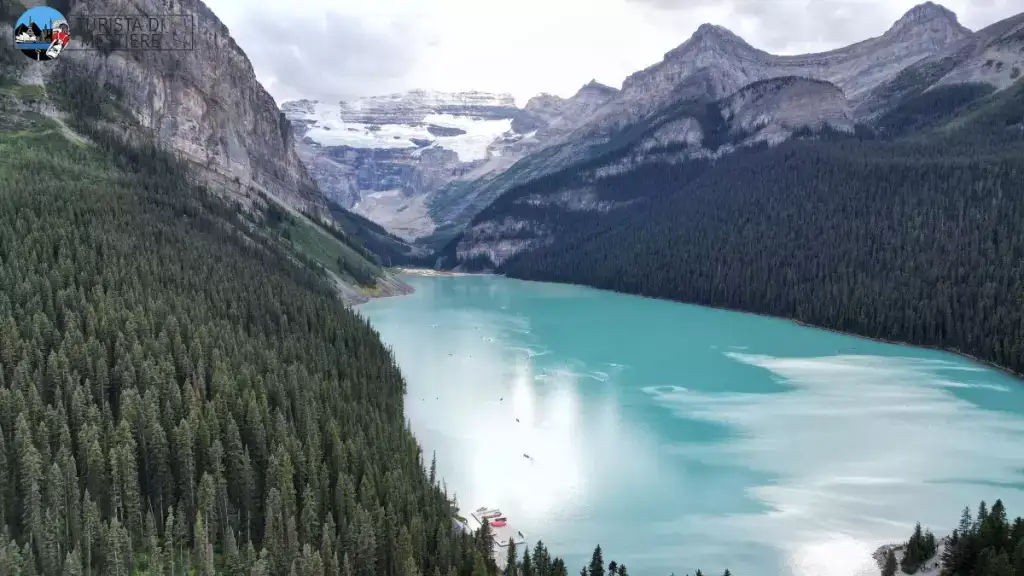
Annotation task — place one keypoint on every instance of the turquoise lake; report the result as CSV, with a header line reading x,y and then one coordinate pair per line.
x,y
681,437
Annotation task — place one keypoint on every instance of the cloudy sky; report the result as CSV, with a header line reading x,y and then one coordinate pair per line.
x,y
336,49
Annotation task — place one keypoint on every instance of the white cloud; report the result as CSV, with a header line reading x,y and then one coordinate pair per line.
x,y
329,49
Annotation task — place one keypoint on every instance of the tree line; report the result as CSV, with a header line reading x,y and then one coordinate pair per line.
x,y
985,544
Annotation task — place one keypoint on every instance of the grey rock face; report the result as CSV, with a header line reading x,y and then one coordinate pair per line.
x,y
205,104
771,110
994,57
715,63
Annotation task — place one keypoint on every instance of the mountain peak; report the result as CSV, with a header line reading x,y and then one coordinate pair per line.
x,y
715,32
595,86
709,36
925,14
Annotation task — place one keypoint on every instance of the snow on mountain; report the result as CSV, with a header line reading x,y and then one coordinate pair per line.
x,y
468,136
405,145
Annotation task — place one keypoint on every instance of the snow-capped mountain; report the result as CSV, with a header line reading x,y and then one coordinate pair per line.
x,y
382,156
379,155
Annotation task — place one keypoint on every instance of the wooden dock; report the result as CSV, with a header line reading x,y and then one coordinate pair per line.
x,y
502,534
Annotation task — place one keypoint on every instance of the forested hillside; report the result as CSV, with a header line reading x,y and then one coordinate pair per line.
x,y
178,394
909,235
182,393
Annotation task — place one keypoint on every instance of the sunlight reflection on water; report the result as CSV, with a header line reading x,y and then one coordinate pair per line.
x,y
675,456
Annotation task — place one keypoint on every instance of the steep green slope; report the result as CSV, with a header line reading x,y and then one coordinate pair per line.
x,y
914,239
180,392
161,365
389,249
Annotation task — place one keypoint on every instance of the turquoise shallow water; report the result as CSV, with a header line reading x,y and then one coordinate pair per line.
x,y
681,437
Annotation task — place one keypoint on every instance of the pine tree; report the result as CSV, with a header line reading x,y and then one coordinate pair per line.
x,y
117,549
204,550
1018,558
597,562
72,564
169,544
479,565
30,474
485,540
153,551
512,563
890,563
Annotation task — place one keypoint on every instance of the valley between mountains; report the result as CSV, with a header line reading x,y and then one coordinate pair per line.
x,y
186,387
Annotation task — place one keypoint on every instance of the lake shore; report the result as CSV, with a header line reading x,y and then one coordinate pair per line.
x,y
987,364
930,567
430,272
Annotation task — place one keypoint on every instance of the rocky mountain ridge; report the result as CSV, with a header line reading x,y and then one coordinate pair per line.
x,y
871,76
766,111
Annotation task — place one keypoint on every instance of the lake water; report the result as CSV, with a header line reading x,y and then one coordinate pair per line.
x,y
681,437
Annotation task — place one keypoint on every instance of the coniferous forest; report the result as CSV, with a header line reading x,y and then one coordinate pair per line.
x,y
179,396
915,238
984,544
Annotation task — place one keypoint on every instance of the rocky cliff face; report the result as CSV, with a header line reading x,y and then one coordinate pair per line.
x,y
771,110
715,63
204,103
379,156
992,56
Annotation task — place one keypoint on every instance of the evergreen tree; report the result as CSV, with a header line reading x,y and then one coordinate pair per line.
x,y
72,564
512,563
204,550
597,562
889,569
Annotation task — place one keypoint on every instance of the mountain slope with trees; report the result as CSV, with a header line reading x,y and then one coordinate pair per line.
x,y
908,235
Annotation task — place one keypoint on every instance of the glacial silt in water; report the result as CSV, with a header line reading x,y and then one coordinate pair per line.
x,y
681,437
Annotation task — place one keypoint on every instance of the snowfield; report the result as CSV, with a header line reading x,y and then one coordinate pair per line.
x,y
329,129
